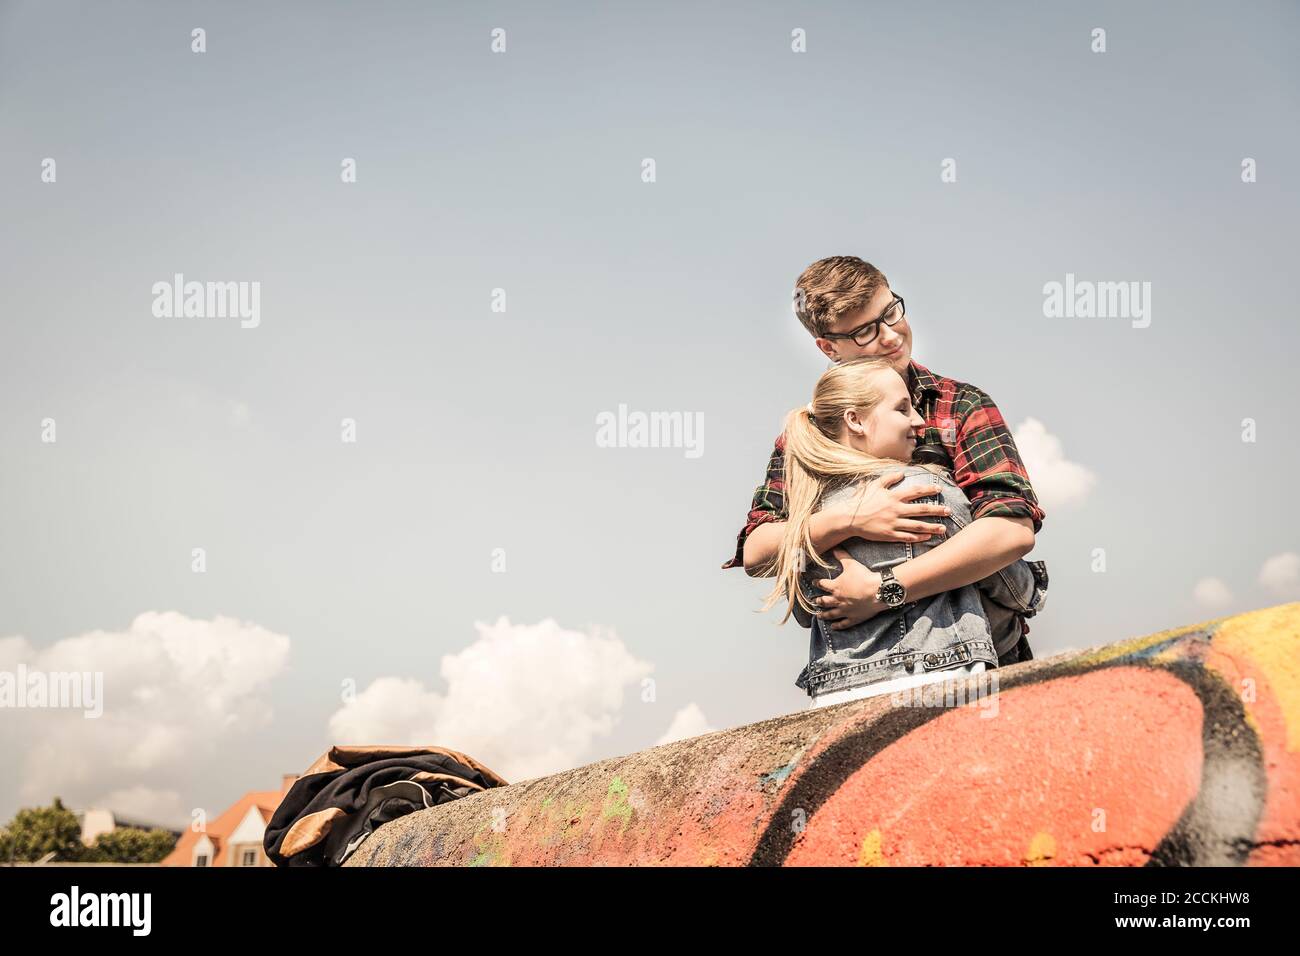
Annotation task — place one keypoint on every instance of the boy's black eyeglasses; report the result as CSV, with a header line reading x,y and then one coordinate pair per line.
x,y
866,333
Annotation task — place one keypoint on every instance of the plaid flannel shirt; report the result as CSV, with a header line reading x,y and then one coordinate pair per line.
x,y
961,418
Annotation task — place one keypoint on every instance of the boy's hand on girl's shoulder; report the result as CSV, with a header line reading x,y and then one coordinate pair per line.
x,y
850,596
882,512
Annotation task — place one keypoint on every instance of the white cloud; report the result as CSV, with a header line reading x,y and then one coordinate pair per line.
x,y
1057,481
1212,592
526,699
687,722
173,687
392,710
146,805
1281,573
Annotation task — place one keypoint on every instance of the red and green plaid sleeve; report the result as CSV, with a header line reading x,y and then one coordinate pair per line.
x,y
986,463
966,422
768,504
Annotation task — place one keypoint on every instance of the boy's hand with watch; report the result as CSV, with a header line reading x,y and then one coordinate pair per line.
x,y
841,608
891,592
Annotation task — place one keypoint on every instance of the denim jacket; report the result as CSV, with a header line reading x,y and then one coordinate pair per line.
x,y
978,622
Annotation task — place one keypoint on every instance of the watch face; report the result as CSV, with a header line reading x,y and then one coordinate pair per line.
x,y
892,593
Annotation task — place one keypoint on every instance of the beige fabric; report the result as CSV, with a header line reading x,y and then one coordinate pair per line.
x,y
309,830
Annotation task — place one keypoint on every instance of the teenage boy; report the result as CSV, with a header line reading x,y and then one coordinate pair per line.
x,y
846,304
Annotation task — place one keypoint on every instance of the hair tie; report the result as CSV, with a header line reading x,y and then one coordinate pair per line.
x,y
810,411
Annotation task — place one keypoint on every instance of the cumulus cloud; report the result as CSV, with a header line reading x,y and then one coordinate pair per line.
x,y
1057,481
146,805
173,687
526,699
1212,592
1281,573
687,722
392,710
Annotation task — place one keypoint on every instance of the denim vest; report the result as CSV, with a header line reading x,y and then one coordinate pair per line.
x,y
978,622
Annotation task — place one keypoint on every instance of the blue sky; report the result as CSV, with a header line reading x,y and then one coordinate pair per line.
x,y
476,569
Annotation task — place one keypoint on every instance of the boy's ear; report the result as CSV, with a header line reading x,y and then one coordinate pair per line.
x,y
827,348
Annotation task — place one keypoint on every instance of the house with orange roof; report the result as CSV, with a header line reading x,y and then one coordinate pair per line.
x,y
235,837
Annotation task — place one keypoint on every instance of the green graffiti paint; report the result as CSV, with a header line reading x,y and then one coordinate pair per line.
x,y
616,804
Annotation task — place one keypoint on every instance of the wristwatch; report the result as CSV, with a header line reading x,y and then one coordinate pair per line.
x,y
891,592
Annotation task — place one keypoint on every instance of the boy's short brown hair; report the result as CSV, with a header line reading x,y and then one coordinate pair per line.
x,y
833,287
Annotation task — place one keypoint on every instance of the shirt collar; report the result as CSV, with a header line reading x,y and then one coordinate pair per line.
x,y
921,380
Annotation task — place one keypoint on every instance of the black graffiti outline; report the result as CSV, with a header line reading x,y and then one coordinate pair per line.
x,y
1200,837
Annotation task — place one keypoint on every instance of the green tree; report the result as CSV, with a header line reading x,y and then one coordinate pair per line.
x,y
130,845
36,831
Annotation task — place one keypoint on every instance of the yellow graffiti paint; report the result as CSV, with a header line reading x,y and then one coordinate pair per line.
x,y
871,854
1135,645
1042,849
1270,639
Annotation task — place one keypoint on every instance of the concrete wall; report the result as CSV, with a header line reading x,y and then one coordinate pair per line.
x,y
1173,749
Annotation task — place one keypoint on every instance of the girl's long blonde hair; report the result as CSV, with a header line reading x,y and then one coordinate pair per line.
x,y
815,461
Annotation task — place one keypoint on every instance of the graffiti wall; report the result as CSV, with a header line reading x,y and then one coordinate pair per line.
x,y
1180,748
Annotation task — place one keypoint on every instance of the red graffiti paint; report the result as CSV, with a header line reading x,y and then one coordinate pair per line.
x,y
1050,780
1188,741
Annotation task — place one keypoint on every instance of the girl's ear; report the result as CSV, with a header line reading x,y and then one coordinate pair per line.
x,y
853,421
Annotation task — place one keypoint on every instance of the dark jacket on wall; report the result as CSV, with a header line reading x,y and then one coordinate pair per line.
x,y
351,791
